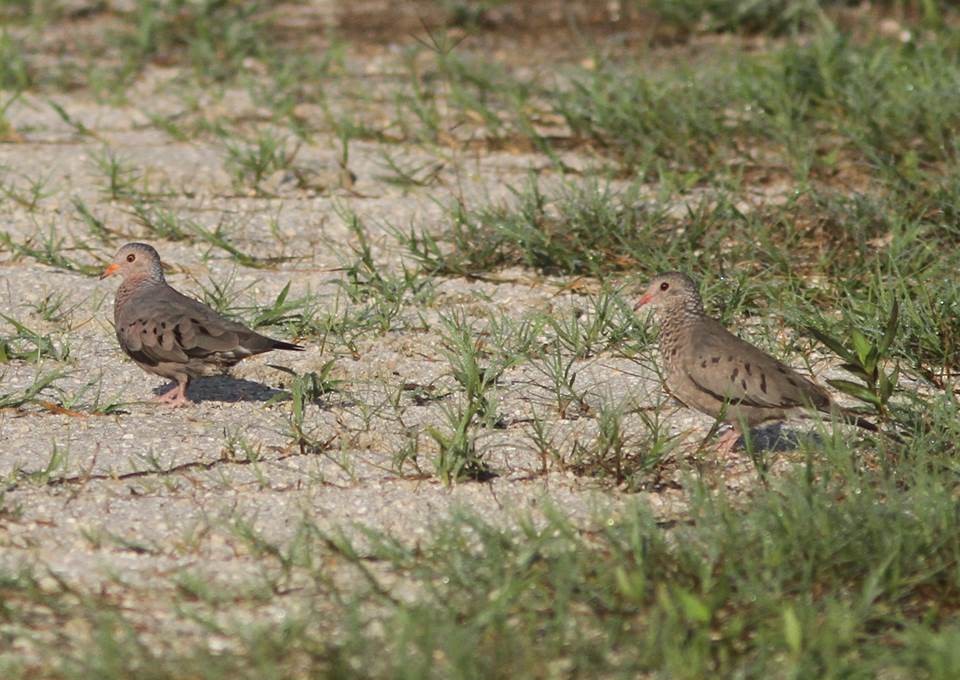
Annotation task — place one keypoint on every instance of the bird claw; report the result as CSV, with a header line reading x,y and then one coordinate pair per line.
x,y
174,397
728,443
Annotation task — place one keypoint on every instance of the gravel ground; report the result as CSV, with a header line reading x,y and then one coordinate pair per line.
x,y
150,475
146,492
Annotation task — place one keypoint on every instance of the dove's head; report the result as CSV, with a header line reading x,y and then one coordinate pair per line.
x,y
671,291
135,261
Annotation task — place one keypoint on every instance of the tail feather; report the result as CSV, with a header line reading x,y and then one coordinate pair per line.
x,y
251,342
852,418
856,419
280,344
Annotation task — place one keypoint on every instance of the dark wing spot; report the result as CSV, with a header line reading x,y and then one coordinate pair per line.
x,y
729,357
733,376
782,369
715,360
163,324
203,329
673,352
142,357
703,364
195,321
177,335
763,383
747,367
792,381
743,383
745,400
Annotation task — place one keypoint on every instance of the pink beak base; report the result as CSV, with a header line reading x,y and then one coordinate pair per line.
x,y
644,299
109,271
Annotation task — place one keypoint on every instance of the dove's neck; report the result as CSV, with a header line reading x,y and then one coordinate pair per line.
x,y
133,285
677,328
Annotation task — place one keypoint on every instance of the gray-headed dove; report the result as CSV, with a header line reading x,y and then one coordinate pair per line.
x,y
170,334
708,368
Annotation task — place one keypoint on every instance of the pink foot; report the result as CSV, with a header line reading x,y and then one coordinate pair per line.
x,y
727,443
174,397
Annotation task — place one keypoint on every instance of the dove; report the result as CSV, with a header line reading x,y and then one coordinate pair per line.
x,y
170,334
708,368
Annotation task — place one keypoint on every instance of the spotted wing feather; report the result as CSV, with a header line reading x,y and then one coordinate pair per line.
x,y
167,332
727,369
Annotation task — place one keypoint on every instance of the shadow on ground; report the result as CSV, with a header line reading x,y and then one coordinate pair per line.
x,y
227,389
775,438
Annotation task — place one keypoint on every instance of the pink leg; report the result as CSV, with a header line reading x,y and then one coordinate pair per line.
x,y
176,396
728,442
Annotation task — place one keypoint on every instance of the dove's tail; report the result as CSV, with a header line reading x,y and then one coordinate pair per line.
x,y
853,418
280,344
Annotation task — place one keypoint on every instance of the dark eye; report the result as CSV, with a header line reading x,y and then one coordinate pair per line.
x,y
131,257
663,286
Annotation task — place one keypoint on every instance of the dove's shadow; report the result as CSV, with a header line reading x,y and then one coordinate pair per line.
x,y
775,438
227,389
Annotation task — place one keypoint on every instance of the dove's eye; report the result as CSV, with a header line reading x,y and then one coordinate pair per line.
x,y
131,257
664,285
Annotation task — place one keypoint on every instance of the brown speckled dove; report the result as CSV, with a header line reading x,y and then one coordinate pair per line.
x,y
170,334
708,368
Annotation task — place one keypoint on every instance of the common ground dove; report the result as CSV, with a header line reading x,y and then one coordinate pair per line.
x,y
170,334
708,368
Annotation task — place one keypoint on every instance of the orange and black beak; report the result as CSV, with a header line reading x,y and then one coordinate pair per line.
x,y
110,271
644,299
